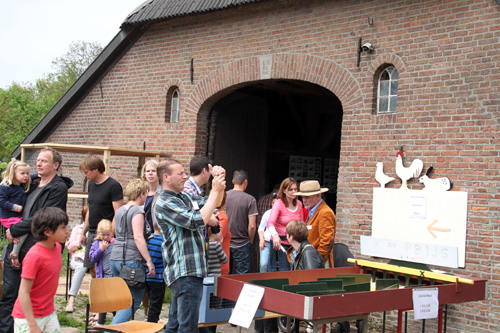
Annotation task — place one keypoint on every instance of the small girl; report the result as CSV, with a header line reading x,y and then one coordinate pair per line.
x,y
100,253
13,188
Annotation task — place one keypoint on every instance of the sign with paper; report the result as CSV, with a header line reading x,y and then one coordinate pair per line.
x,y
246,305
425,303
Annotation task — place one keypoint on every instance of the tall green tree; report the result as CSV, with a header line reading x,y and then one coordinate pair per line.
x,y
23,106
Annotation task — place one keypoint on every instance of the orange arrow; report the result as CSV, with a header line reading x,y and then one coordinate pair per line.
x,y
431,228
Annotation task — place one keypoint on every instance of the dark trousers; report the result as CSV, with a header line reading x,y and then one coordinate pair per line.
x,y
266,326
156,294
11,281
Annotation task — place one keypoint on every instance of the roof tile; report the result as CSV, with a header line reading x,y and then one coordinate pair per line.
x,y
156,10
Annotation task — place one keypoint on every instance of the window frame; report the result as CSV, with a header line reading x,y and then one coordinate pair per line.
x,y
391,96
173,105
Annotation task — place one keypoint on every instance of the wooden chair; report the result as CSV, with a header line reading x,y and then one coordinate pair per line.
x,y
113,294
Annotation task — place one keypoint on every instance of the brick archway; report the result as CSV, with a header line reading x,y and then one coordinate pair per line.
x,y
317,70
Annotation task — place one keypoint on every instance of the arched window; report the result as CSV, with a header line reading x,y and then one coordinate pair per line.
x,y
176,102
387,90
173,105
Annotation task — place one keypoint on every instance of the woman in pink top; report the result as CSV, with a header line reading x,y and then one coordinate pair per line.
x,y
287,208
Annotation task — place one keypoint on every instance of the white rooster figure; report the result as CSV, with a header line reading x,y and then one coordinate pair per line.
x,y
405,174
381,177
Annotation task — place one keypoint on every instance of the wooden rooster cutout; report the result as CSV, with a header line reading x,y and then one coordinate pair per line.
x,y
380,176
407,173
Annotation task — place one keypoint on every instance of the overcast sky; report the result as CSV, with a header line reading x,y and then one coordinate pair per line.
x,y
34,32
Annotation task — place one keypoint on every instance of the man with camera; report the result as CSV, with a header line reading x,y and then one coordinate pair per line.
x,y
181,219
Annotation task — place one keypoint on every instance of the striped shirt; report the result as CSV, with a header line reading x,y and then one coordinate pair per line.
x,y
191,187
154,248
181,225
216,256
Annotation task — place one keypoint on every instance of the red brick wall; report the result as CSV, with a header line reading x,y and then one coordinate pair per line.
x,y
448,58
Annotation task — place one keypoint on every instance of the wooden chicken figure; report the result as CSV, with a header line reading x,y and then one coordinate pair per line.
x,y
381,177
435,184
407,173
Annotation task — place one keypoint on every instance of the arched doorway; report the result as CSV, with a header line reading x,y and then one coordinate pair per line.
x,y
278,128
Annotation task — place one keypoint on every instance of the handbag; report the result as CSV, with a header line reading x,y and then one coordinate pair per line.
x,y
135,277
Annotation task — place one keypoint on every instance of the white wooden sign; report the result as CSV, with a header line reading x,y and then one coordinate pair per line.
x,y
433,254
246,305
423,217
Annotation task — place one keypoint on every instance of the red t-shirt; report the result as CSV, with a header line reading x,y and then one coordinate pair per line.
x,y
43,266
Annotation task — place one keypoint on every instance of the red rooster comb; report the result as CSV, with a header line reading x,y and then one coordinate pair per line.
x,y
400,154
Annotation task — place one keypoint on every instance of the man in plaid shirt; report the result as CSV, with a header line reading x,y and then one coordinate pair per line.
x,y
181,220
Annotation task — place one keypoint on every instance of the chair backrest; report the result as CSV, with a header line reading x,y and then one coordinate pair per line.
x,y
340,255
109,294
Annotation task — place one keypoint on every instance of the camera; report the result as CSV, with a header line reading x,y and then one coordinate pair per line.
x,y
216,229
367,47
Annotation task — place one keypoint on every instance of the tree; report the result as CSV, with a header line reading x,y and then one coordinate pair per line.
x,y
23,106
70,66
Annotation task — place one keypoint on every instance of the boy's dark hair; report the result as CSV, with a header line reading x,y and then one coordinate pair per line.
x,y
197,164
47,218
298,230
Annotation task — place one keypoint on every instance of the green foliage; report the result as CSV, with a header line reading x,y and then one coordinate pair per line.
x,y
3,165
168,296
23,106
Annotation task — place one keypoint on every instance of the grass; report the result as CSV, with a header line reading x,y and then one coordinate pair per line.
x,y
66,320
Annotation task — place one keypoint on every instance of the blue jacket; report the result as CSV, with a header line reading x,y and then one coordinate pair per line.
x,y
10,195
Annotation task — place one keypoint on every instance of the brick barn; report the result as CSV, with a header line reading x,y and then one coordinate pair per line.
x,y
314,89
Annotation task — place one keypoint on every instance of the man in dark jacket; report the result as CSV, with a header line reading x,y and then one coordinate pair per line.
x,y
303,255
49,190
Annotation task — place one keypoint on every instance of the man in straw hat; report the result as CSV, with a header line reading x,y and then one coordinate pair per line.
x,y
322,222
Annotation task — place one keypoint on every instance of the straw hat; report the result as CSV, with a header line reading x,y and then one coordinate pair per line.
x,y
310,187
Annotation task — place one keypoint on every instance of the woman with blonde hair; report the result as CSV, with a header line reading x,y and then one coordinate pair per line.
x,y
130,245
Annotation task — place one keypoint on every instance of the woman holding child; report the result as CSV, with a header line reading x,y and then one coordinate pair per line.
x,y
130,247
286,208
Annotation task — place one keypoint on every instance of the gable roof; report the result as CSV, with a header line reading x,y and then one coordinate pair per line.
x,y
157,10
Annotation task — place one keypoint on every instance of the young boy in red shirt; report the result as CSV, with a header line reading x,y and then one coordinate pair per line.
x,y
34,308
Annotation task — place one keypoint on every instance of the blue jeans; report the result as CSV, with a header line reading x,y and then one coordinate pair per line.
x,y
268,258
283,264
126,314
241,258
185,305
